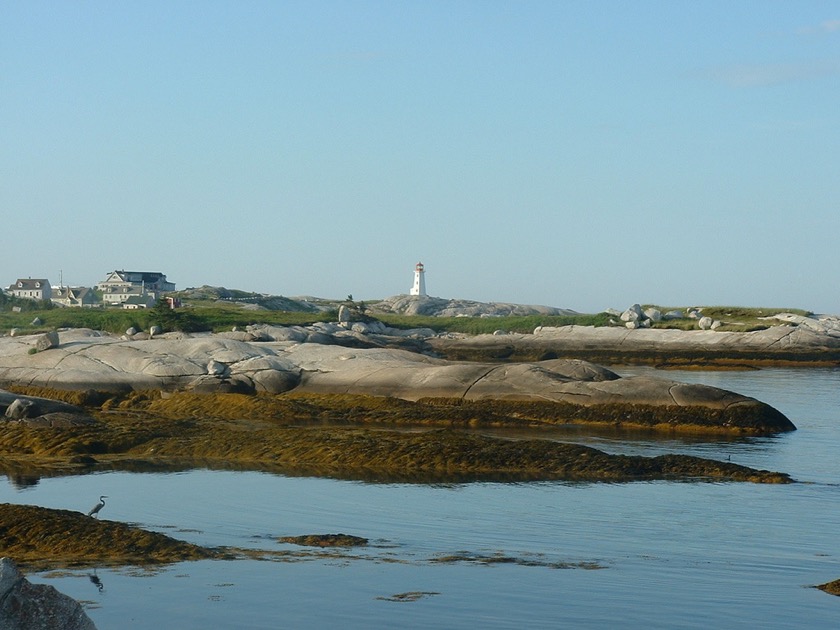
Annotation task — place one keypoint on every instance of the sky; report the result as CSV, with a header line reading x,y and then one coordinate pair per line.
x,y
582,155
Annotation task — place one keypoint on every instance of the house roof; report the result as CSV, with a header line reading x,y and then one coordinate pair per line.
x,y
71,292
129,289
138,276
137,299
29,284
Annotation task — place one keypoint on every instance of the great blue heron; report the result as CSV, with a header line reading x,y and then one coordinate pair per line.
x,y
95,509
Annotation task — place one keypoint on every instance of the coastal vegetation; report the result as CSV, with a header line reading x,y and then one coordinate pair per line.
x,y
217,316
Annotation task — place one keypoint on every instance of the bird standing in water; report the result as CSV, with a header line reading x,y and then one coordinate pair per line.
x,y
95,509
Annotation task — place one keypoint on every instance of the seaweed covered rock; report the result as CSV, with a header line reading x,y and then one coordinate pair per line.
x,y
44,537
832,588
326,540
254,433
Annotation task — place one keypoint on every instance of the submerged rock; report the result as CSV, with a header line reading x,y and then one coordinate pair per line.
x,y
326,540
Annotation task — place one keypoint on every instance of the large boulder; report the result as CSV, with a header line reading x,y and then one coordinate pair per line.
x,y
46,341
633,314
27,606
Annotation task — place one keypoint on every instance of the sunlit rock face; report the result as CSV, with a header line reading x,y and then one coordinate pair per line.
x,y
215,363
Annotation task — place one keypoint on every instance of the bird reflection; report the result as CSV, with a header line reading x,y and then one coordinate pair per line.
x,y
96,581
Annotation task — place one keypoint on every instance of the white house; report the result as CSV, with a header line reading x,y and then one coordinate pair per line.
x,y
32,288
138,297
134,289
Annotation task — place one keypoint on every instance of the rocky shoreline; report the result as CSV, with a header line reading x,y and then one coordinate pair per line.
x,y
799,342
346,400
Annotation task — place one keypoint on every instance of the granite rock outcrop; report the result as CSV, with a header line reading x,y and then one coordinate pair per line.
x,y
85,360
27,606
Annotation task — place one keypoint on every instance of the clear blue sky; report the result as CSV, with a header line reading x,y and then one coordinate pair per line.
x,y
576,154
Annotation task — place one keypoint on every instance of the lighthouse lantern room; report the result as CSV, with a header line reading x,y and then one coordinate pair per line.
x,y
419,287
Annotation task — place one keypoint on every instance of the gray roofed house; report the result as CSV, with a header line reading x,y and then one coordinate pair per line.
x,y
31,288
75,296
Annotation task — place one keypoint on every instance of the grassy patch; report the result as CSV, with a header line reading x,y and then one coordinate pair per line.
x,y
733,318
217,316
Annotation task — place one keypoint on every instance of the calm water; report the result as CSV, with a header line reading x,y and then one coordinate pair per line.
x,y
634,555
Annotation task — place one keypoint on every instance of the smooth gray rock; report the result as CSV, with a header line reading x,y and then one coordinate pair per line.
x,y
805,336
217,368
85,360
27,606
705,323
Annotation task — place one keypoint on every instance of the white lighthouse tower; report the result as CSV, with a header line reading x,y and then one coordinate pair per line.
x,y
419,287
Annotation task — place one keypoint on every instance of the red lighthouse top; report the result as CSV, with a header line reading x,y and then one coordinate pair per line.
x,y
418,267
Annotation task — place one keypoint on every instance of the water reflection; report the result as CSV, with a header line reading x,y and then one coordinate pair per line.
x,y
22,481
96,581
